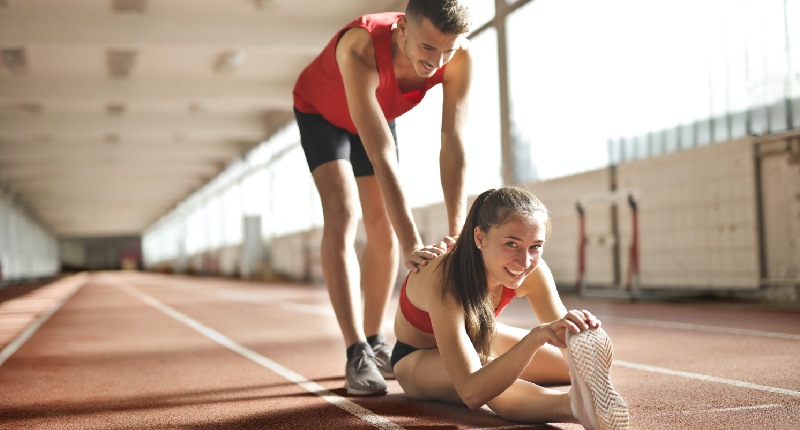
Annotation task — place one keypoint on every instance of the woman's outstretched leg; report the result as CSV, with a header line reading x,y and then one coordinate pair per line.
x,y
548,366
422,376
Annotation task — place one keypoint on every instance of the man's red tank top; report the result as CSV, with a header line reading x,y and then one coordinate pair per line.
x,y
320,89
421,320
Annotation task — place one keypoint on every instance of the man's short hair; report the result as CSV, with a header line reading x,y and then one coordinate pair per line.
x,y
448,16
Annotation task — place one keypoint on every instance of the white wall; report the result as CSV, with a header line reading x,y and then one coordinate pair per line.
x,y
698,223
27,250
560,196
780,172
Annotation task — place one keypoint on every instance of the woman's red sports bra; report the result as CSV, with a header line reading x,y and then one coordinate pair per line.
x,y
421,320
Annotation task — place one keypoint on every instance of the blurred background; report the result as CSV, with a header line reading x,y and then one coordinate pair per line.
x,y
158,135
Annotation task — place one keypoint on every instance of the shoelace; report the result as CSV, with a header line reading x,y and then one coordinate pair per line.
x,y
381,347
359,362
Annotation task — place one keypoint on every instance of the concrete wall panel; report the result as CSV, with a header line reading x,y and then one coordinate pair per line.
x,y
230,260
561,251
780,174
697,217
698,222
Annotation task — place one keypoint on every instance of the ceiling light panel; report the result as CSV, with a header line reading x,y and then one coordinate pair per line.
x,y
115,109
129,6
29,107
15,60
120,62
230,61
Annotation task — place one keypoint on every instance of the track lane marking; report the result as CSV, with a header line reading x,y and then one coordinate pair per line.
x,y
310,386
284,303
721,410
73,284
336,399
515,426
706,378
735,409
695,327
308,309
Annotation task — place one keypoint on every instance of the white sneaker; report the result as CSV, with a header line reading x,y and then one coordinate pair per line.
x,y
594,401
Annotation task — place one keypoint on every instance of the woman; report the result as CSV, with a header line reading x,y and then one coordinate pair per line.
x,y
450,348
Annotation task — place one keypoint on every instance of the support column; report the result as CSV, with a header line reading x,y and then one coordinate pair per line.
x,y
252,247
507,167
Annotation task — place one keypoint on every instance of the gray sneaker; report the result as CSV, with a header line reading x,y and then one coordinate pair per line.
x,y
362,375
383,356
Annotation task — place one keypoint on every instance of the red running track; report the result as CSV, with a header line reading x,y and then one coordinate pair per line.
x,y
126,350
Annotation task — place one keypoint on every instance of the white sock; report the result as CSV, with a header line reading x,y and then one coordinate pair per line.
x,y
580,400
574,404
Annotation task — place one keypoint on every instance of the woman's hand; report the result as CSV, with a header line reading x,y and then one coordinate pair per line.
x,y
555,332
583,320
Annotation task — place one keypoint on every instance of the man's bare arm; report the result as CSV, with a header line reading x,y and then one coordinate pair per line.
x,y
452,158
355,57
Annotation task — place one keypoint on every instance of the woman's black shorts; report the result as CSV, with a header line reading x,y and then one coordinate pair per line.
x,y
400,350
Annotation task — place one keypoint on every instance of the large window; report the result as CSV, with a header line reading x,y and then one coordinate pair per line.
x,y
658,75
591,83
27,250
557,87
419,132
481,11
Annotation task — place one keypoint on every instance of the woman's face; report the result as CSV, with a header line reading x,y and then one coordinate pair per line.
x,y
512,251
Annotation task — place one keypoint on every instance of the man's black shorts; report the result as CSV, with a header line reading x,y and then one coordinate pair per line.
x,y
323,142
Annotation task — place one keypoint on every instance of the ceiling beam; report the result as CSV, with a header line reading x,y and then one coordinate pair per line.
x,y
55,124
260,32
268,94
131,171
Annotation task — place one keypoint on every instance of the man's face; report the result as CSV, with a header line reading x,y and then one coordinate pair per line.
x,y
427,48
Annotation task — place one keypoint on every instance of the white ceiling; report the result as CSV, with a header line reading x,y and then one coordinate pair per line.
x,y
97,154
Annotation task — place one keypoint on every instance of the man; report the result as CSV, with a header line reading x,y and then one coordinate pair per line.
x,y
372,71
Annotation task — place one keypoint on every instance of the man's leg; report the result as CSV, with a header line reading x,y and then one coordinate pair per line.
x,y
338,193
379,265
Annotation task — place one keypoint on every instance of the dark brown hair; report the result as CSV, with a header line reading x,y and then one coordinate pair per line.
x,y
464,271
448,16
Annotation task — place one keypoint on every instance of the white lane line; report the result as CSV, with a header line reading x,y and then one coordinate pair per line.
x,y
516,426
312,387
72,284
706,378
244,297
720,410
699,327
286,304
735,409
308,309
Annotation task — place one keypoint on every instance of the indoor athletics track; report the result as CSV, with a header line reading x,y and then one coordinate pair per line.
x,y
128,350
